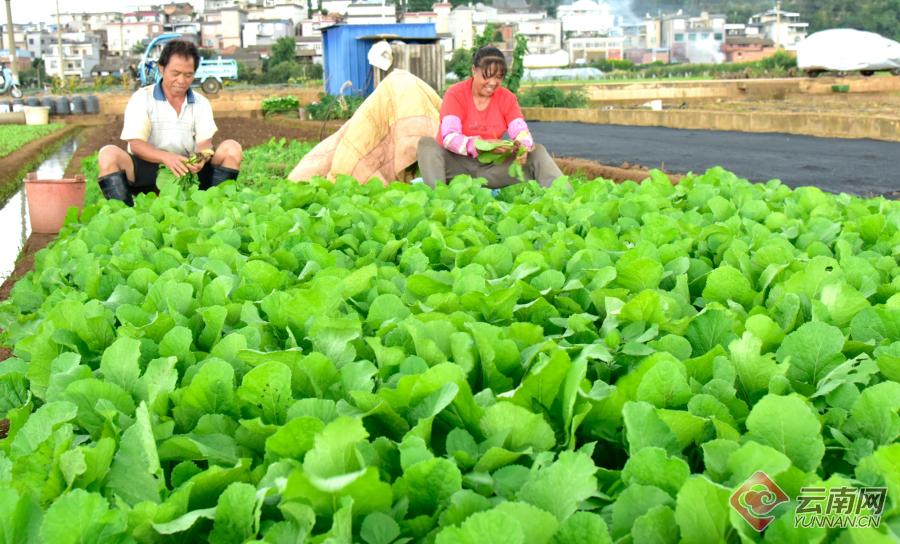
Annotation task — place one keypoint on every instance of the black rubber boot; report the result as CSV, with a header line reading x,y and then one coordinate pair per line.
x,y
218,175
115,187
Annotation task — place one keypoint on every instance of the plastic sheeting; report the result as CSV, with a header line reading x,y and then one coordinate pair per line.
x,y
561,74
845,50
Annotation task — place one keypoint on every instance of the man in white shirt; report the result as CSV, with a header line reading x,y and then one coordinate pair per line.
x,y
165,124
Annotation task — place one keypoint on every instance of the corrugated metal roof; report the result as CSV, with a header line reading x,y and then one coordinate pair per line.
x,y
345,55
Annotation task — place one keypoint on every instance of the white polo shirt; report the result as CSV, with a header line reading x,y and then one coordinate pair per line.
x,y
150,117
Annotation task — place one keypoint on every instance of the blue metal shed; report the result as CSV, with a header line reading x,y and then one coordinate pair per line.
x,y
345,51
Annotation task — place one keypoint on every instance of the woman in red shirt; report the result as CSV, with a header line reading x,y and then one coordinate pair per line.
x,y
480,108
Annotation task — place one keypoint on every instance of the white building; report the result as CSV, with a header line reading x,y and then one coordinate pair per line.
x,y
371,12
543,36
784,28
439,16
38,42
338,7
122,37
694,39
86,22
586,16
289,10
462,27
266,32
80,53
588,48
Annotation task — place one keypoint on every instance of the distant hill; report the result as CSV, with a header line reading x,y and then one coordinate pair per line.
x,y
881,16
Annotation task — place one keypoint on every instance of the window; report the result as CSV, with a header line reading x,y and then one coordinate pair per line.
x,y
718,36
692,37
679,37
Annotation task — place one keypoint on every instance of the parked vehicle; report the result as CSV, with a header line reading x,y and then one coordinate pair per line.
x,y
8,83
210,74
844,50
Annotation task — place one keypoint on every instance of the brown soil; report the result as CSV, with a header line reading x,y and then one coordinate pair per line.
x,y
591,170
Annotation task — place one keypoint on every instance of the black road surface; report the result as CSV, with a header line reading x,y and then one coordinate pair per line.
x,y
863,167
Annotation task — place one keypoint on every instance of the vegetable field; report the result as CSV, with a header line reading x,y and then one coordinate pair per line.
x,y
324,362
13,137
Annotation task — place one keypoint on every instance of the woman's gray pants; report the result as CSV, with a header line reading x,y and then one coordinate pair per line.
x,y
438,164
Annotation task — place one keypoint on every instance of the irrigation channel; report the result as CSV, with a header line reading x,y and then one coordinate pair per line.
x,y
14,222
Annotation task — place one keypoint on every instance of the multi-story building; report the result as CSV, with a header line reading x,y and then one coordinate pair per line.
x,y
223,28
439,16
587,48
88,22
80,53
266,31
231,25
784,28
586,17
543,36
122,36
181,18
462,27
294,11
747,48
38,42
334,7
694,39
371,12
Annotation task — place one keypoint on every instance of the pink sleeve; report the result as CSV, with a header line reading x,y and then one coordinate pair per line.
x,y
451,135
454,140
518,130
515,121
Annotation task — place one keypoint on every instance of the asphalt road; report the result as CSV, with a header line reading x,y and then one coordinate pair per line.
x,y
864,167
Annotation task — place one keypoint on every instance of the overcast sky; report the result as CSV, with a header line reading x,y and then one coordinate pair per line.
x,y
25,11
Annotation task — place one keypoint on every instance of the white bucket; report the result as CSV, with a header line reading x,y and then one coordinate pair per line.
x,y
37,115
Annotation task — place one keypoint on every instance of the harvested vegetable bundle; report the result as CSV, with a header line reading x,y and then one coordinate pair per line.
x,y
190,179
488,154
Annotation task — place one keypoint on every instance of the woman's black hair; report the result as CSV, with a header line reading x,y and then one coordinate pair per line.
x,y
490,61
181,48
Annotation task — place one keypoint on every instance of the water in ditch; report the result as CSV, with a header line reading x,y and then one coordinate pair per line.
x,y
14,224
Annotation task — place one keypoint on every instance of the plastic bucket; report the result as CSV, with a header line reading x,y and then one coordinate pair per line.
x,y
77,104
37,115
50,199
62,105
91,104
50,103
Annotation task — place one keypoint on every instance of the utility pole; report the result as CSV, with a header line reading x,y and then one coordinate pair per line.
x,y
777,24
62,73
14,65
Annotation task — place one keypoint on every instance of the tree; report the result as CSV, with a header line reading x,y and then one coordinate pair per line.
x,y
461,63
285,49
517,70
